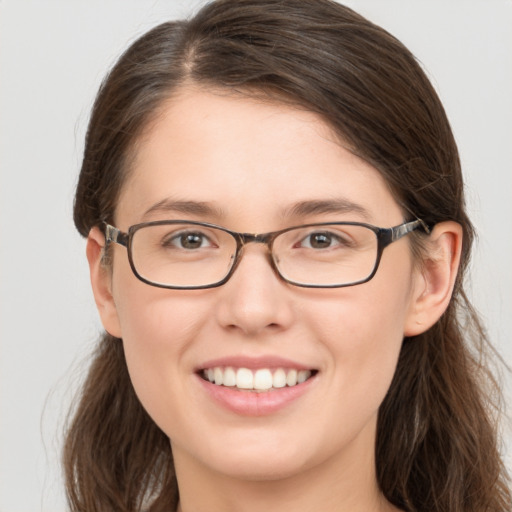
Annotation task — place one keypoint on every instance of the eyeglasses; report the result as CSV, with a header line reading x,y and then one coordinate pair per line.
x,y
181,254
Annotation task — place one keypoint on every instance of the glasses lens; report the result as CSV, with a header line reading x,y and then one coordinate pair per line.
x,y
181,254
326,255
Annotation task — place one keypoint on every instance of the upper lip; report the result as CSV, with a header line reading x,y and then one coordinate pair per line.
x,y
254,363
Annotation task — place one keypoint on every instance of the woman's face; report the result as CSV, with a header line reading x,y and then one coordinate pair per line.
x,y
255,167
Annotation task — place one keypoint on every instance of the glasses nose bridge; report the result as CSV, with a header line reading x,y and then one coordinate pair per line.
x,y
250,238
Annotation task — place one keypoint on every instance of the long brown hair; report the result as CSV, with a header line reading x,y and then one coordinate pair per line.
x,y
436,446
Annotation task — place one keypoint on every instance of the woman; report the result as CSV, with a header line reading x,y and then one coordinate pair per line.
x,y
275,223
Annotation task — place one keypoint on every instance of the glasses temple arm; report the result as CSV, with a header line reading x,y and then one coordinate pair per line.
x,y
404,229
114,235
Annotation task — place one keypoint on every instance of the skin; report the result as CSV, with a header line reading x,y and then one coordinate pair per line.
x,y
252,161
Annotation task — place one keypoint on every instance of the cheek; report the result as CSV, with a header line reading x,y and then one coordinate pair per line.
x,y
154,320
158,328
362,331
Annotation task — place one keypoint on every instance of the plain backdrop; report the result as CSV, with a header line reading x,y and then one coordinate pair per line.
x,y
53,57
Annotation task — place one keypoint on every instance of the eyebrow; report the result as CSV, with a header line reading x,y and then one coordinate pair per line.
x,y
318,207
299,209
197,208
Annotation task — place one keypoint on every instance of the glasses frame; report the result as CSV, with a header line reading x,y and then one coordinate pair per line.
x,y
385,237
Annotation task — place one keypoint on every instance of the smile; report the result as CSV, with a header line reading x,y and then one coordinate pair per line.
x,y
259,380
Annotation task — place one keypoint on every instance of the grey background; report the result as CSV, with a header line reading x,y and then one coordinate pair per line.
x,y
53,55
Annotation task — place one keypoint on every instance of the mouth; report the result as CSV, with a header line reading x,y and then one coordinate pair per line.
x,y
258,380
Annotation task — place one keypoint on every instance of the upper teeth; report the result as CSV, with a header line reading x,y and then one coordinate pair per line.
x,y
259,380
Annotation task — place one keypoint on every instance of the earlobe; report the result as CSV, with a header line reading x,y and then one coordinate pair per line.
x,y
436,278
101,282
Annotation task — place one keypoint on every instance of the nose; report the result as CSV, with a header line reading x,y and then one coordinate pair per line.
x,y
255,300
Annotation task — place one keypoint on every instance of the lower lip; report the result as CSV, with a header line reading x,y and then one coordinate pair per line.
x,y
251,403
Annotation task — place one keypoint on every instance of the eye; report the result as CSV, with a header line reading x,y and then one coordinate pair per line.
x,y
188,240
322,240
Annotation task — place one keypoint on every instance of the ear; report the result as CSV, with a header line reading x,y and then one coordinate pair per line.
x,y
101,281
435,279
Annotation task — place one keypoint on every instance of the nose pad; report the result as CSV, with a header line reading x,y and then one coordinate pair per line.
x,y
264,248
255,298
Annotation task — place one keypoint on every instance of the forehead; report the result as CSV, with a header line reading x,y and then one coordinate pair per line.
x,y
251,160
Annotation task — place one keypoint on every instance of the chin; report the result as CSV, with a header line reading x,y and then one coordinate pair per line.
x,y
269,469
260,461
